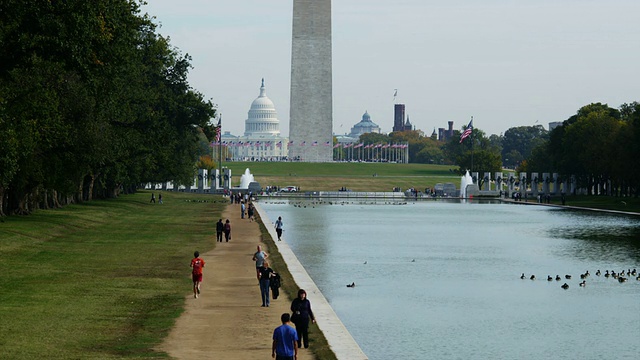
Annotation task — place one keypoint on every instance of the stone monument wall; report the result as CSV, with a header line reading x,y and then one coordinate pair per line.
x,y
311,112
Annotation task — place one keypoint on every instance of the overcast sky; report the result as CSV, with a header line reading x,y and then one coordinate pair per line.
x,y
505,62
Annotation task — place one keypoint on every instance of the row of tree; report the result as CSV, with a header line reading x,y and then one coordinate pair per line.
x,y
93,101
598,146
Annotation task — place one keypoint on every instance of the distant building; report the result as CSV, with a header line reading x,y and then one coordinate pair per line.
x,y
398,117
365,126
445,134
261,140
399,123
555,124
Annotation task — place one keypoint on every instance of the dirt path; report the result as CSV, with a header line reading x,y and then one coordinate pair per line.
x,y
227,321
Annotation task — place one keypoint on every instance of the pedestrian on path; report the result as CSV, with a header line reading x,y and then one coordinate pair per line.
x,y
227,230
219,230
250,211
279,228
259,257
301,308
285,339
265,276
242,210
196,273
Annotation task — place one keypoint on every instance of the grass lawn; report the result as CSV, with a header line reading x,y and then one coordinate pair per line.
x,y
603,202
107,279
100,280
354,176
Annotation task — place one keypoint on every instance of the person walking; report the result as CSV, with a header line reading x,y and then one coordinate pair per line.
x,y
153,198
242,210
279,227
250,211
159,198
196,273
259,257
301,309
227,230
219,230
265,276
285,340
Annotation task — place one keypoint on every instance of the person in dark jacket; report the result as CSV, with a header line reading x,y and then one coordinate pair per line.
x,y
219,230
274,284
227,230
301,308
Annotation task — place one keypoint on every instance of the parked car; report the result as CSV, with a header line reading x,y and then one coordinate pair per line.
x,y
289,189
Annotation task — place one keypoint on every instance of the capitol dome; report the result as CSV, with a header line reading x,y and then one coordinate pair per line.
x,y
263,118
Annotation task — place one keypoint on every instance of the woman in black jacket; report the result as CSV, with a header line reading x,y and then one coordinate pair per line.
x,y
301,308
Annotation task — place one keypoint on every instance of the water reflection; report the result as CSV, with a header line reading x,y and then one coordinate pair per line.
x,y
462,297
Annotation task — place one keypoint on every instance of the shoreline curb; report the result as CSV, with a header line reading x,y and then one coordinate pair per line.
x,y
340,340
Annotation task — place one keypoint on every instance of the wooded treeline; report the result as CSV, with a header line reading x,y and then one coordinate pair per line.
x,y
598,146
93,101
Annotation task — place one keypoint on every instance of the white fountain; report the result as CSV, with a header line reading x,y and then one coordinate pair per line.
x,y
246,179
466,180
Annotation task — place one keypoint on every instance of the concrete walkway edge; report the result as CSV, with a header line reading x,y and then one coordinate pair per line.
x,y
340,340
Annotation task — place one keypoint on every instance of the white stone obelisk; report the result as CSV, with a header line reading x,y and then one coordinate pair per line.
x,y
311,112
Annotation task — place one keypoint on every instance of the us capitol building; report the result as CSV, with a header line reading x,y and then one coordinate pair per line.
x,y
261,140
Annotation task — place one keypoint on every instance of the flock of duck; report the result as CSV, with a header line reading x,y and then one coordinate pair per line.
x,y
621,276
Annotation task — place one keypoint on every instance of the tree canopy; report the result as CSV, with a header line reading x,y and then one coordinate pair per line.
x,y
93,101
598,146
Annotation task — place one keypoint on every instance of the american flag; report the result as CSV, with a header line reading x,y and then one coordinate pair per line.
x,y
218,127
290,143
336,145
467,131
303,143
328,143
315,143
279,144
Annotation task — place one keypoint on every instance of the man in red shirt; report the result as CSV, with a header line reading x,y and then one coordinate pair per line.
x,y
196,274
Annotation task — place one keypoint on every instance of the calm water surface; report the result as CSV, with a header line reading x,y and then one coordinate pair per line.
x,y
442,280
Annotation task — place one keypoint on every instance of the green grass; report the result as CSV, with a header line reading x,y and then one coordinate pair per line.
x,y
354,176
100,280
628,204
107,279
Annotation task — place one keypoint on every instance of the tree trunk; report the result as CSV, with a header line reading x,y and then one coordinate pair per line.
x,y
93,180
56,202
78,197
2,214
44,203
23,207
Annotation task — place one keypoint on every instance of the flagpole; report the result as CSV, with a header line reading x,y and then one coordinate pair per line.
x,y
220,150
472,146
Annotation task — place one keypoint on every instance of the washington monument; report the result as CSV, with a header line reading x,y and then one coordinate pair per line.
x,y
311,112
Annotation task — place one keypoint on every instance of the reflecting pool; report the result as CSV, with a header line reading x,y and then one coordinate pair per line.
x,y
441,280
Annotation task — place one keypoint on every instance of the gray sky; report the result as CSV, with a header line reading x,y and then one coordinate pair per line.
x,y
505,62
